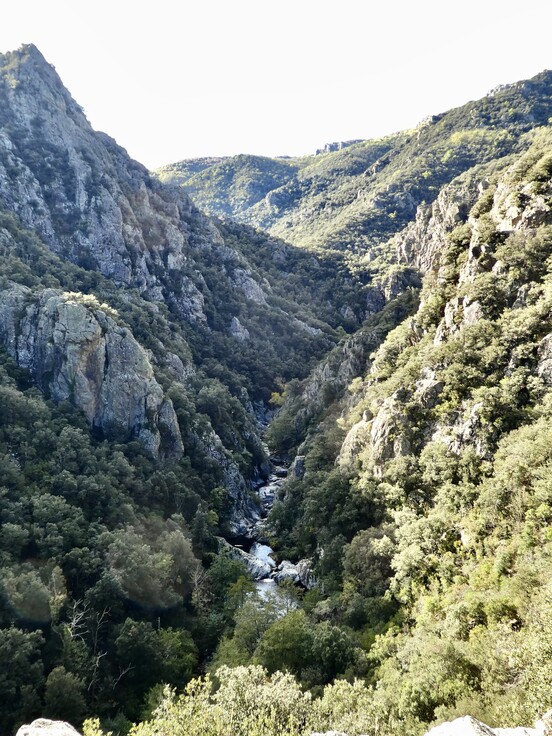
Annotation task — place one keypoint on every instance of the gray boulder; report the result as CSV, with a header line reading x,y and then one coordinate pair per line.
x,y
257,568
299,573
469,726
45,727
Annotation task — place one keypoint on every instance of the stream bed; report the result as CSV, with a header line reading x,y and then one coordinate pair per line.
x,y
254,551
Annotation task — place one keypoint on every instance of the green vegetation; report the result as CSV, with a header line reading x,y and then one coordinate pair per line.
x,y
432,532
354,199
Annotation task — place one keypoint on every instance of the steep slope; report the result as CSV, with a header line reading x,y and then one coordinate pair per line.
x,y
139,348
423,490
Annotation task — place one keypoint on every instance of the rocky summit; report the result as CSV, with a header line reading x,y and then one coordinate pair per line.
x,y
275,433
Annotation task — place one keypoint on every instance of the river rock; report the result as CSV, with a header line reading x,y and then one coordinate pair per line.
x,y
262,552
299,573
268,492
257,568
286,570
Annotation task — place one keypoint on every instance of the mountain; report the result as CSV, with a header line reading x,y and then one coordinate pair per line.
x,y
423,463
397,314
357,197
350,202
140,346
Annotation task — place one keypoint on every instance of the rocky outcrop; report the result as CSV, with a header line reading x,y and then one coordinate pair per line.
x,y
245,512
389,433
297,469
333,374
428,389
544,367
490,209
337,146
423,241
521,208
252,291
380,439
76,351
389,287
460,312
238,331
355,441
46,727
469,726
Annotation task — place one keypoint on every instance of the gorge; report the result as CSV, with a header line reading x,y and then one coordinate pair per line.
x,y
388,306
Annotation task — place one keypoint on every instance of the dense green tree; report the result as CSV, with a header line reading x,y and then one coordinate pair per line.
x,y
21,676
63,696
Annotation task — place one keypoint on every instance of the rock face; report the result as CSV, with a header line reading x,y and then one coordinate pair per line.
x,y
238,331
544,368
45,727
383,438
76,352
91,203
459,313
245,512
422,242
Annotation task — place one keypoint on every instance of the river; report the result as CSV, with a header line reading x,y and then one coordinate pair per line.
x,y
254,551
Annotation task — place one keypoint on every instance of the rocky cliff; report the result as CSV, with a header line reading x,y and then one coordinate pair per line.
x,y
91,203
76,352
464,244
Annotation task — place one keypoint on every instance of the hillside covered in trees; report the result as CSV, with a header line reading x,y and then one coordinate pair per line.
x,y
388,336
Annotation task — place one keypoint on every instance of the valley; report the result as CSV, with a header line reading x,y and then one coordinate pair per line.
x,y
276,431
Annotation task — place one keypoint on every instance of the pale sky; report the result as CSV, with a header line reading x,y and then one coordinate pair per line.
x,y
173,79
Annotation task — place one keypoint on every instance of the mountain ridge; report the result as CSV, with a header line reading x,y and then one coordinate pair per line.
x,y
504,110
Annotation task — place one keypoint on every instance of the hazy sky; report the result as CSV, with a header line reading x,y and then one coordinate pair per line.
x,y
174,79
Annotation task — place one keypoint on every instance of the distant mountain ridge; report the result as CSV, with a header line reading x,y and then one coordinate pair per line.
x,y
354,199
